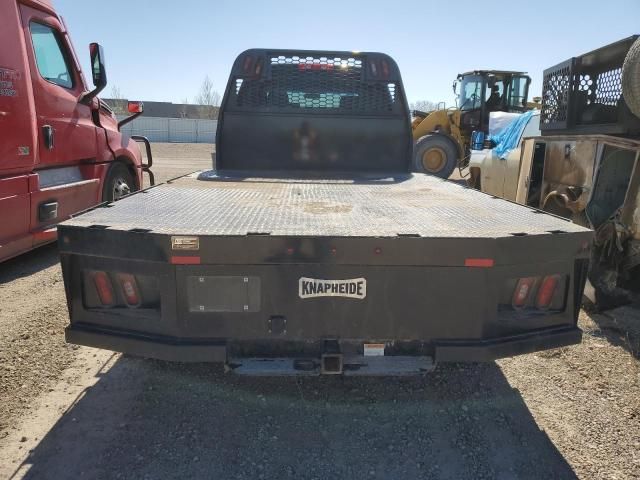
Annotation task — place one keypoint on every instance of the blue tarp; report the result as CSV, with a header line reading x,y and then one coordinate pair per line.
x,y
507,139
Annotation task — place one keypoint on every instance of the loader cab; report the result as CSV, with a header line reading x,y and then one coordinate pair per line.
x,y
481,92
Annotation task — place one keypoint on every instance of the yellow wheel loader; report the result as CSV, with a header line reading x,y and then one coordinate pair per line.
x,y
443,136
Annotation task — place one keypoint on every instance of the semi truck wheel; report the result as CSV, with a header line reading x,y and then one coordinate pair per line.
x,y
119,182
631,78
435,155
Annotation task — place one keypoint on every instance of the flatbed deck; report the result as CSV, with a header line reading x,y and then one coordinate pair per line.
x,y
205,203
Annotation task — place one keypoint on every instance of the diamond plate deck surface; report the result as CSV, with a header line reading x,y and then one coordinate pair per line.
x,y
416,205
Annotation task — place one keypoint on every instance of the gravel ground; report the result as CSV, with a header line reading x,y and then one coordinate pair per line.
x,y
32,317
174,159
33,311
70,412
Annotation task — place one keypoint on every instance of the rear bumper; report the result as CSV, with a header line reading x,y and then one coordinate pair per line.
x,y
487,350
158,347
259,301
183,350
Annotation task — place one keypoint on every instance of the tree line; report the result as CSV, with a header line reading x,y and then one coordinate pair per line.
x,y
206,97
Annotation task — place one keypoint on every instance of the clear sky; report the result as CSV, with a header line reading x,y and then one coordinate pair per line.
x,y
161,50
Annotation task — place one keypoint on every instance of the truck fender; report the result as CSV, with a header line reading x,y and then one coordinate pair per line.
x,y
130,155
437,120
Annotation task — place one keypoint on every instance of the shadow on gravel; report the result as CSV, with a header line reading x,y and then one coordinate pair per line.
x,y
621,327
146,419
29,263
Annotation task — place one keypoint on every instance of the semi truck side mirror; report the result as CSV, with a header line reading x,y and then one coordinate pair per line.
x,y
98,72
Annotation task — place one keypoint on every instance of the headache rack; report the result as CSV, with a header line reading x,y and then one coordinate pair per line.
x,y
314,111
583,95
314,82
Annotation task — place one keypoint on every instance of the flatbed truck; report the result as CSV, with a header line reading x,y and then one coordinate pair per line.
x,y
311,248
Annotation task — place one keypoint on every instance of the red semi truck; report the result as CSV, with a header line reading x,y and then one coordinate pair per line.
x,y
61,150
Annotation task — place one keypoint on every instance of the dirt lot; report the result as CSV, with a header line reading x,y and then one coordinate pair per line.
x,y
174,159
68,412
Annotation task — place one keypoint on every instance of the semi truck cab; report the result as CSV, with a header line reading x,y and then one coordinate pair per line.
x,y
61,150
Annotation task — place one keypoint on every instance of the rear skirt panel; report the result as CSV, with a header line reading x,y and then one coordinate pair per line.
x,y
257,308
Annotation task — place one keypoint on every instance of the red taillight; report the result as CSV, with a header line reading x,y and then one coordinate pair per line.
x,y
385,68
258,67
104,288
546,291
522,291
315,66
544,294
129,289
246,65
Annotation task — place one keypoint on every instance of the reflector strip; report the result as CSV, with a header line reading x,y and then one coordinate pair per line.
x,y
479,262
177,260
45,235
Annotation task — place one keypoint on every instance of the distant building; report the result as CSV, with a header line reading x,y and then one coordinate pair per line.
x,y
166,109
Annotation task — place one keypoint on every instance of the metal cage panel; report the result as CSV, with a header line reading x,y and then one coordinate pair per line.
x,y
556,86
584,94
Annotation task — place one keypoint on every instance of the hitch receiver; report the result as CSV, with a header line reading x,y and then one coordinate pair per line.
x,y
331,364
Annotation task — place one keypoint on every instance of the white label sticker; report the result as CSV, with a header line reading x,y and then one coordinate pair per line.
x,y
351,288
374,349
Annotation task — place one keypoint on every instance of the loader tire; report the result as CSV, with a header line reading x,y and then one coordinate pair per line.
x,y
435,155
631,78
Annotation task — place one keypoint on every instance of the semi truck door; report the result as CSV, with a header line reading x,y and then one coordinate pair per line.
x,y
66,132
17,130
